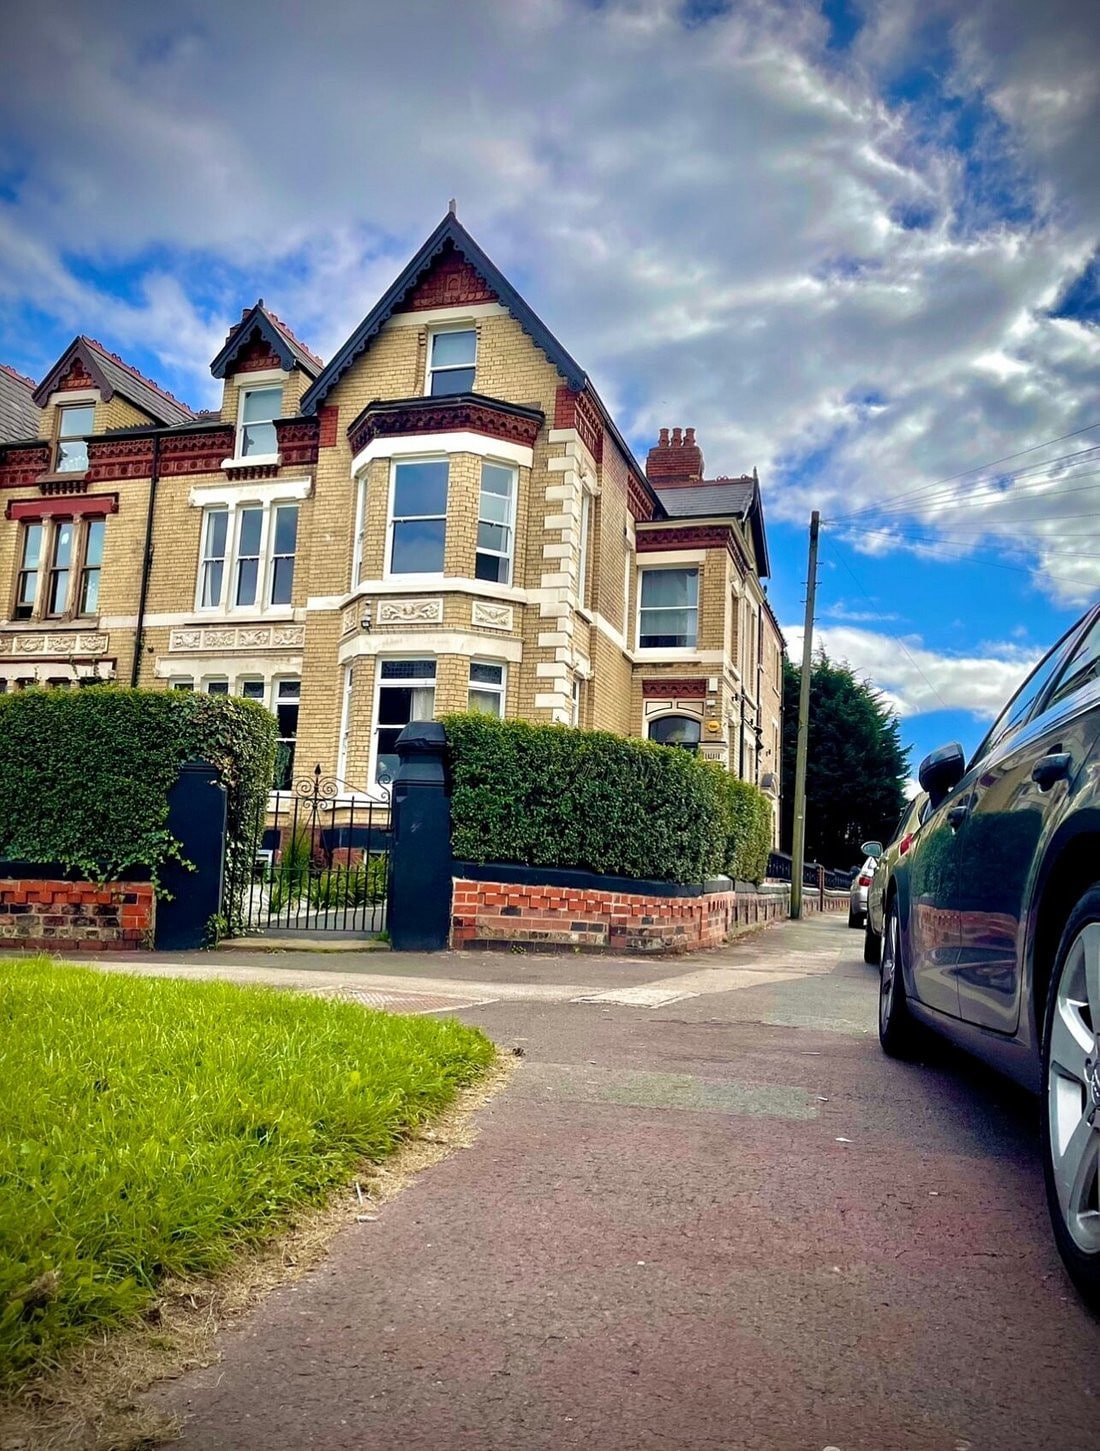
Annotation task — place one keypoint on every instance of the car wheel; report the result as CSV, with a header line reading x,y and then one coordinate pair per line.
x,y
897,1031
1071,1090
854,919
872,945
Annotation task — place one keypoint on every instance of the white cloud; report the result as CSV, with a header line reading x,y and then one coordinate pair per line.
x,y
915,679
712,219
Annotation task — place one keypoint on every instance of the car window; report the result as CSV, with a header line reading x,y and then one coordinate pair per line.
x,y
1019,707
1081,669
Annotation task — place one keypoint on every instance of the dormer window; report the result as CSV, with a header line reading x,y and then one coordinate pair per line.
x,y
73,425
451,356
256,427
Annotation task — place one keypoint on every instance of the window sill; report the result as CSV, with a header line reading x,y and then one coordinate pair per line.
x,y
585,613
254,460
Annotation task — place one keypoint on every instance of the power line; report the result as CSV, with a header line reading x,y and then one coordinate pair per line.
x,y
931,492
1034,489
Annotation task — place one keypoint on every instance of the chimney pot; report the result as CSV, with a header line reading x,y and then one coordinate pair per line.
x,y
689,437
663,439
676,439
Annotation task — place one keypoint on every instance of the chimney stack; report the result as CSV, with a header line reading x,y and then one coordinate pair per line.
x,y
675,463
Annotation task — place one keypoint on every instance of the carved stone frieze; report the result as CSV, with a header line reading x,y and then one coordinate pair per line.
x,y
492,616
248,637
48,642
462,413
410,612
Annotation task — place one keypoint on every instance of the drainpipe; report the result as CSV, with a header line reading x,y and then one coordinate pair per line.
x,y
146,563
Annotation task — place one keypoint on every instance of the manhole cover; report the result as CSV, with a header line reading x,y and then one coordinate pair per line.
x,y
401,1002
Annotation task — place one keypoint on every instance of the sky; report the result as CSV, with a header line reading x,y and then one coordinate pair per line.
x,y
854,243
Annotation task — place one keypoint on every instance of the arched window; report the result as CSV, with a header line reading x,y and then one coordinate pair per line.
x,y
675,730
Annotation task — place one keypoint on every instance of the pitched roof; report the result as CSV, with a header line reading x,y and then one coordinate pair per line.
x,y
18,410
450,231
718,498
113,375
279,338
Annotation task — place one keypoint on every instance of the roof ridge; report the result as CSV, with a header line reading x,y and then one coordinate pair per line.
x,y
18,377
129,368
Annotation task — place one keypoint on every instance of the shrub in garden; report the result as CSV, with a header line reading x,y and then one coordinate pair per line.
x,y
748,825
85,774
554,796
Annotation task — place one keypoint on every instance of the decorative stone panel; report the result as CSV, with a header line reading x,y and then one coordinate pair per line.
x,y
492,616
410,612
233,637
43,642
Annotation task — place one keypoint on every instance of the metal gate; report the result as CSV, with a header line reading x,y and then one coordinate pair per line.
x,y
316,858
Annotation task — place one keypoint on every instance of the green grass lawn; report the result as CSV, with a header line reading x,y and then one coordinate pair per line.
x,y
151,1127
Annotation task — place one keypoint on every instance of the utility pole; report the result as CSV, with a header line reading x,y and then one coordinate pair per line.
x,y
798,845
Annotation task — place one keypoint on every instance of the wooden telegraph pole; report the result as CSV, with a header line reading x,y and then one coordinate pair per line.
x,y
798,845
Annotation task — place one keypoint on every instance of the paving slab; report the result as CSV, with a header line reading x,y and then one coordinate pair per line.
x,y
727,1222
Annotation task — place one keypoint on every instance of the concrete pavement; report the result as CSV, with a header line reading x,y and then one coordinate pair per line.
x,y
724,1221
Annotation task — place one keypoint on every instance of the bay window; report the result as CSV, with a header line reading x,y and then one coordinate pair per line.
x,y
406,692
487,686
287,697
496,523
418,516
668,617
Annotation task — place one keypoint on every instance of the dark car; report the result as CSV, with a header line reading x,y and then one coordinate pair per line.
x,y
991,933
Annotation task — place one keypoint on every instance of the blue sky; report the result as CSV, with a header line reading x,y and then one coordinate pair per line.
x,y
852,244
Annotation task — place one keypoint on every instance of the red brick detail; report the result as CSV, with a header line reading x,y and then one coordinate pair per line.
x,y
20,466
442,415
691,536
76,915
256,355
297,440
195,453
450,281
76,377
565,401
579,411
639,499
67,508
673,689
330,422
675,461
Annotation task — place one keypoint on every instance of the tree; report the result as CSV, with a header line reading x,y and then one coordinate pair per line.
x,y
856,765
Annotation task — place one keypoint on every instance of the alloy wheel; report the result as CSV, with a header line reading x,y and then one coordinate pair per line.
x,y
889,968
1073,1090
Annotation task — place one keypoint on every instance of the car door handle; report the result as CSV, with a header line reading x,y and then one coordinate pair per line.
x,y
957,815
1052,768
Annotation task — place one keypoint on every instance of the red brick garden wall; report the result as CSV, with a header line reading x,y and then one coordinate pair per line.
x,y
495,914
56,914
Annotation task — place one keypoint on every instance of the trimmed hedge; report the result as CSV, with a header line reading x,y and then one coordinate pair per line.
x,y
85,774
554,796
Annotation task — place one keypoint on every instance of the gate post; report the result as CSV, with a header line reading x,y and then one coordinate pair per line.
x,y
196,819
419,916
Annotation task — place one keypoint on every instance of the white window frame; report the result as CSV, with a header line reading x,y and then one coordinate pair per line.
x,y
392,520
585,537
278,685
510,556
434,331
344,744
408,658
359,528
62,438
254,458
234,506
649,651
483,688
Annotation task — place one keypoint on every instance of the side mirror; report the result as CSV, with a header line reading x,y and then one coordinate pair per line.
x,y
872,848
941,771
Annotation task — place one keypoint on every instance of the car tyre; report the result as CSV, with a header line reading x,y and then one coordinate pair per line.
x,y
872,945
1070,1120
897,1031
854,918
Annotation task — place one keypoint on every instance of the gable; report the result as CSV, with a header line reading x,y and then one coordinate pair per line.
x,y
450,281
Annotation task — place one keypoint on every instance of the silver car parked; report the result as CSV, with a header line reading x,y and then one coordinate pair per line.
x,y
991,932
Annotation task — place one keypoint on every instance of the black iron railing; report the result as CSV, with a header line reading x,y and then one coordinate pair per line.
x,y
779,870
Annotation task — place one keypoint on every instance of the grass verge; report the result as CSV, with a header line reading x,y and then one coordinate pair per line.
x,y
153,1129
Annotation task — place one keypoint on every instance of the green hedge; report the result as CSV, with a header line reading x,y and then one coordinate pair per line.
x,y
85,774
553,796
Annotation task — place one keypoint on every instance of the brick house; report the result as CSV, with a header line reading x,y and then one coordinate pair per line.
x,y
444,516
